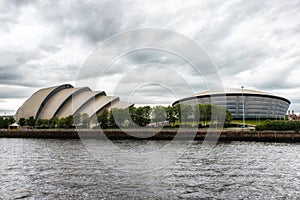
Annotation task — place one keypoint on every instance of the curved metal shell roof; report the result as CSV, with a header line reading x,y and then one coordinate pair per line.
x,y
96,105
55,103
33,106
77,102
121,104
64,100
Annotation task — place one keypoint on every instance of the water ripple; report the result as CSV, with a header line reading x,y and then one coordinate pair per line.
x,y
64,169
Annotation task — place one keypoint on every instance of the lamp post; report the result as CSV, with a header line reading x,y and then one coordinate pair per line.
x,y
243,106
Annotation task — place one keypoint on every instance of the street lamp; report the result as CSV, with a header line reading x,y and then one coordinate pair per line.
x,y
243,106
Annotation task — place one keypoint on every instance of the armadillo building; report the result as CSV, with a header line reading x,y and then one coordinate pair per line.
x,y
64,100
256,104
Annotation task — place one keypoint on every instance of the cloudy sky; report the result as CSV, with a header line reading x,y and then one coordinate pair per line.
x,y
252,43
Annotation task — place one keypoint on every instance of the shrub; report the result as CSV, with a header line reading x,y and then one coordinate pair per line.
x,y
278,126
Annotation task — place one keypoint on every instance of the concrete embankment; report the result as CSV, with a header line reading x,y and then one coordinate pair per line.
x,y
224,135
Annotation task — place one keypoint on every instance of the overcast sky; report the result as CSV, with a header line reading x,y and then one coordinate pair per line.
x,y
253,43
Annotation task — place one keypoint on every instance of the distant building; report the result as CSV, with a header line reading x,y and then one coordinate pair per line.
x,y
64,100
257,104
292,116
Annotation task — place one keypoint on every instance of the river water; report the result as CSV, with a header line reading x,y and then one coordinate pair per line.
x,y
64,169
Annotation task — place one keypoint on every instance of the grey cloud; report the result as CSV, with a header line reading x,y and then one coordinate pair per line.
x,y
10,95
238,56
15,57
8,11
16,76
21,2
12,92
143,57
91,22
218,28
49,47
278,84
147,46
7,74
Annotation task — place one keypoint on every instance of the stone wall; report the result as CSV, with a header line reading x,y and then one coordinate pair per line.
x,y
225,135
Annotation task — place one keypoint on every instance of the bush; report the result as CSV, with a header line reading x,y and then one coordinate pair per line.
x,y
278,126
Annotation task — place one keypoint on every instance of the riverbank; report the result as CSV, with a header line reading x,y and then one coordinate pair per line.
x,y
152,134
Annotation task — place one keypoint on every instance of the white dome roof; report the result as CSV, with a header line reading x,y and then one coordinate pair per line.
x,y
232,91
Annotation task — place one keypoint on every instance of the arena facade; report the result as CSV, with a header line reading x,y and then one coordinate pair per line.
x,y
257,104
64,100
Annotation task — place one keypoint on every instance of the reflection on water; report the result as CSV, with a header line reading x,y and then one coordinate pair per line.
x,y
37,168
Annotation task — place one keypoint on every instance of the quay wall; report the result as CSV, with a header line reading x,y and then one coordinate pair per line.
x,y
225,135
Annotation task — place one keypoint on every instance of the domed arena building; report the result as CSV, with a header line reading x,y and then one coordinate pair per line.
x,y
257,104
64,100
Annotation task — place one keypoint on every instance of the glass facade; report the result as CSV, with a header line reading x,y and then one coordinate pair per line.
x,y
256,106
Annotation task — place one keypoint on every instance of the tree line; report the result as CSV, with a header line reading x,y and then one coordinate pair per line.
x,y
172,116
65,122
5,122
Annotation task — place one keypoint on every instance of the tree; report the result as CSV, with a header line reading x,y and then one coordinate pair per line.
x,y
5,122
53,122
77,119
185,112
111,119
103,119
39,123
69,121
228,117
146,115
61,123
195,114
205,113
1,122
159,114
141,115
218,113
93,122
171,114
22,122
119,117
31,121
85,120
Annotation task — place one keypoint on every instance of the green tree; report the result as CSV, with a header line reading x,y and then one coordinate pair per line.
x,y
22,122
141,115
158,114
69,121
103,119
185,112
228,117
85,120
172,114
1,122
121,117
77,119
205,113
31,121
39,123
53,122
93,122
196,114
111,119
61,123
6,121
219,113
